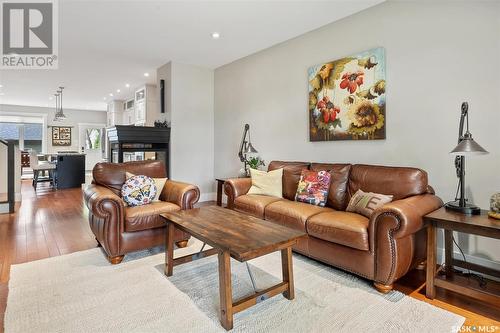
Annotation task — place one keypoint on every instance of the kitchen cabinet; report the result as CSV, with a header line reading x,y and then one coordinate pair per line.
x,y
114,113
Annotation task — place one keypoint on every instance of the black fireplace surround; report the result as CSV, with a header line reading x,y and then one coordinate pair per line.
x,y
123,139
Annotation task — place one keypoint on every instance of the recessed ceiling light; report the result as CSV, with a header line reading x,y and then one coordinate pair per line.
x,y
146,74
1,86
50,97
117,90
104,98
127,85
215,35
110,94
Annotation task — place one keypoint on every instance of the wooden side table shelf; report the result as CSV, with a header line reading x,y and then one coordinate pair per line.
x,y
480,225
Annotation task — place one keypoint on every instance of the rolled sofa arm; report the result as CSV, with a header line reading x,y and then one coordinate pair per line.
x,y
392,231
183,195
234,188
106,217
102,202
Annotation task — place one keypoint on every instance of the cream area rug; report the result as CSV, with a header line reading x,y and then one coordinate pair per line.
x,y
82,292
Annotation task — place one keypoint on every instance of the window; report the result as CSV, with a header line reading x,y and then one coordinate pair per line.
x,y
93,138
10,131
28,136
33,137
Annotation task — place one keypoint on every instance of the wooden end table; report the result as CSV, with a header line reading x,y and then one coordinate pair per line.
x,y
480,225
236,235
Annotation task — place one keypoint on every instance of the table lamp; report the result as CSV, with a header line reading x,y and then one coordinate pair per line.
x,y
466,146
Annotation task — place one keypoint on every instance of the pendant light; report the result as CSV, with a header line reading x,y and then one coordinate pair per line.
x,y
56,118
60,113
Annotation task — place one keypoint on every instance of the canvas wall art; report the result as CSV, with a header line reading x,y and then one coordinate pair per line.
x,y
347,98
61,136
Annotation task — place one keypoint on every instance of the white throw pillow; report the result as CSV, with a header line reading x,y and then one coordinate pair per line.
x,y
267,183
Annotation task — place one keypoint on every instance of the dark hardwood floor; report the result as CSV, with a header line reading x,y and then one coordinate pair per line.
x,y
51,223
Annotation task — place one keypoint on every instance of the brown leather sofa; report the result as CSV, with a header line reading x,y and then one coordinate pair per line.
x,y
381,248
120,229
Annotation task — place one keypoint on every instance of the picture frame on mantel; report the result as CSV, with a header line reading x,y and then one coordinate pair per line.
x,y
61,136
347,98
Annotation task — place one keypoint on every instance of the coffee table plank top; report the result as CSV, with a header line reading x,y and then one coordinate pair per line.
x,y
243,236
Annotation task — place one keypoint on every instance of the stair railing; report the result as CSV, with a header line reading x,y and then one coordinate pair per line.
x,y
10,174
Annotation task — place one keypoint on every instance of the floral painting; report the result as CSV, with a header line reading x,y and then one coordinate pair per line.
x,y
347,98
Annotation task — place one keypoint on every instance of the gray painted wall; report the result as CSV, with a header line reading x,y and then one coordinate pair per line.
x,y
190,107
438,54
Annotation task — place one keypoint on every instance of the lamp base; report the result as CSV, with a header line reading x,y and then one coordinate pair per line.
x,y
468,209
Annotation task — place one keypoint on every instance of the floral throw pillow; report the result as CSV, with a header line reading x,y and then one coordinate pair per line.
x,y
313,187
139,190
159,182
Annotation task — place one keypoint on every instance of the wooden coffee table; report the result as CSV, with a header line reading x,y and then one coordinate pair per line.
x,y
233,234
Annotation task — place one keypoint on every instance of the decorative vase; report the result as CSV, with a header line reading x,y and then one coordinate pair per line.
x,y
242,173
495,206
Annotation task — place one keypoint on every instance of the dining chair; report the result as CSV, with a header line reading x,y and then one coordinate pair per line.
x,y
40,167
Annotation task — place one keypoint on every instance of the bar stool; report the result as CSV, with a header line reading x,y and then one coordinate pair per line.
x,y
40,167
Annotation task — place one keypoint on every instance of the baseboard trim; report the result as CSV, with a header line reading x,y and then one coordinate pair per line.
x,y
207,197
4,208
470,258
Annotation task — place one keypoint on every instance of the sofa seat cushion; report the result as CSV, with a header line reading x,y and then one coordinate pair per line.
x,y
292,214
147,216
349,229
253,204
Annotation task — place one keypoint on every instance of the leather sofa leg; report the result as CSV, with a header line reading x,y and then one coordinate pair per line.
x,y
383,288
115,260
182,243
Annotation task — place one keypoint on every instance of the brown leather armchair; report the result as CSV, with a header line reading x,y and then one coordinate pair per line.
x,y
381,248
120,229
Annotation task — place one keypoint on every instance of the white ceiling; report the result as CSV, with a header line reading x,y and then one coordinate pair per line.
x,y
105,44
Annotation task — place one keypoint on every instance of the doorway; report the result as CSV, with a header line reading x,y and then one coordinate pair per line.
x,y
91,142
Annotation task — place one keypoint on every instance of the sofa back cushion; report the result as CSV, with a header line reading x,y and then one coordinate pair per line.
x,y
291,175
337,196
400,182
113,175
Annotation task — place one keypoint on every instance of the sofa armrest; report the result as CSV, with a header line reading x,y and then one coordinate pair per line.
x,y
106,217
391,230
183,195
102,202
408,214
234,188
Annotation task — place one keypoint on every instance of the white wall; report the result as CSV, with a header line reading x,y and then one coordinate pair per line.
x,y
73,118
4,171
439,54
190,107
